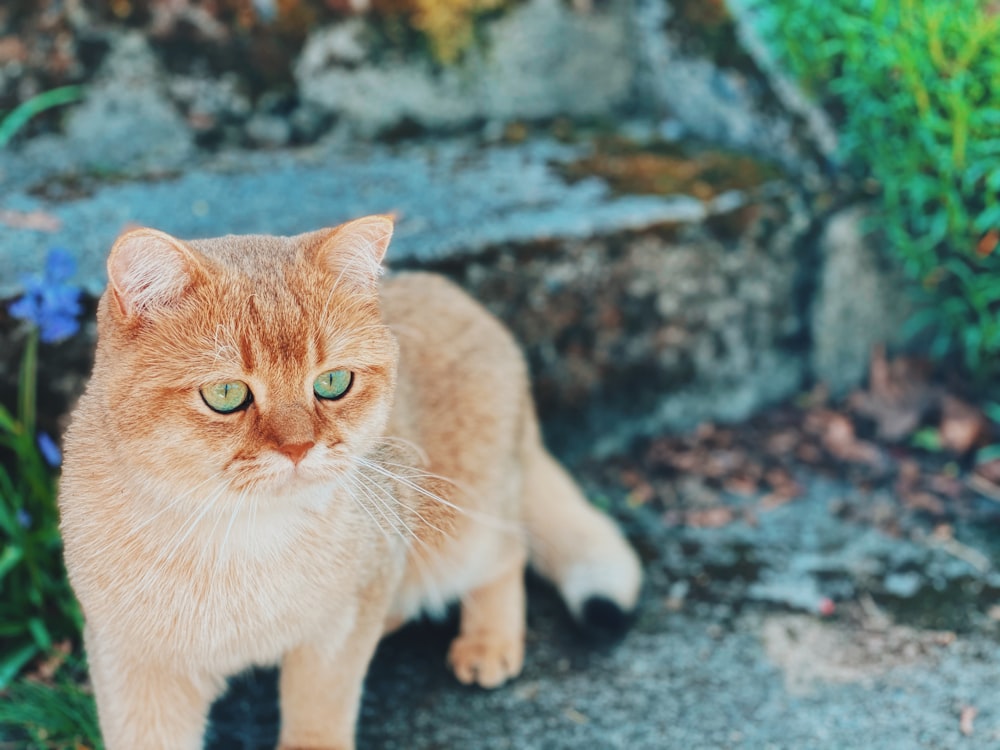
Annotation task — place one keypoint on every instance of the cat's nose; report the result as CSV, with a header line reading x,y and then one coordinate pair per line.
x,y
296,451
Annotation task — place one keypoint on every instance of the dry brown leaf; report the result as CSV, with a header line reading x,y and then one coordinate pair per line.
x,y
783,442
12,49
721,463
781,483
966,718
924,501
899,395
47,667
962,425
839,439
741,484
774,500
947,485
808,453
816,421
37,221
986,484
908,476
640,495
989,470
710,518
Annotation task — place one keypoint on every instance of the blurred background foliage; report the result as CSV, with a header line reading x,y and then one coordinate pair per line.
x,y
914,86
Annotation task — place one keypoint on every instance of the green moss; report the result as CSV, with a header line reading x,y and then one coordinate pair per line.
x,y
670,169
915,88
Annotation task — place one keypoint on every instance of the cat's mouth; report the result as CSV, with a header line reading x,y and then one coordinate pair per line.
x,y
276,472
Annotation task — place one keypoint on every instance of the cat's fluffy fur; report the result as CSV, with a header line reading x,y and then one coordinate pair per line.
x,y
299,530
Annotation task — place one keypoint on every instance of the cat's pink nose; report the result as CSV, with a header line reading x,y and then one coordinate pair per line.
x,y
296,451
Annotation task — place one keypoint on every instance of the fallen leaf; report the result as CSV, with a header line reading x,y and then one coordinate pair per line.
x,y
949,486
908,476
710,518
782,443
899,395
962,425
808,453
774,500
37,221
965,719
640,495
924,501
839,439
741,484
48,667
781,483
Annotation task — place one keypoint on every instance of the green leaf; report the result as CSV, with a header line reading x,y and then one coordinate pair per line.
x,y
12,663
992,410
20,116
7,423
10,557
988,453
40,633
928,439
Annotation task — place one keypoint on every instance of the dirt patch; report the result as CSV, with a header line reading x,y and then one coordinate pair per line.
x,y
811,652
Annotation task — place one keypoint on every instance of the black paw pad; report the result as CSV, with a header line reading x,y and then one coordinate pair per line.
x,y
604,620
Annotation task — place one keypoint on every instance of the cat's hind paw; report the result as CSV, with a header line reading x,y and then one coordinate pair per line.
x,y
487,659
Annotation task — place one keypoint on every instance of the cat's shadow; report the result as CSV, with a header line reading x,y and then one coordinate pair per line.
x,y
407,676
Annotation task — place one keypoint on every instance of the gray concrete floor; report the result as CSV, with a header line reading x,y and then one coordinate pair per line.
x,y
729,652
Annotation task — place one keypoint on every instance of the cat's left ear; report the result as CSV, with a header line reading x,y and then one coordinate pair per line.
x,y
149,270
354,250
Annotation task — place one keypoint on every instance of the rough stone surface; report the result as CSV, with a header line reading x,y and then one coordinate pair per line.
x,y
666,327
210,103
664,310
750,106
860,301
539,60
715,666
452,199
126,121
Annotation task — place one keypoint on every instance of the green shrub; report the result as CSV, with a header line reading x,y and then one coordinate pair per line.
x,y
915,88
37,606
53,715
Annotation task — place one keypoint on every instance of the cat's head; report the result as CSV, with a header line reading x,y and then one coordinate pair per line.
x,y
246,362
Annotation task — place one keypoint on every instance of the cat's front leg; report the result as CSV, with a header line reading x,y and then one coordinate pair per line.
x,y
321,688
489,649
142,704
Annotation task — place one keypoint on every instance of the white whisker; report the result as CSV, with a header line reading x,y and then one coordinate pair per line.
x,y
483,518
384,491
229,528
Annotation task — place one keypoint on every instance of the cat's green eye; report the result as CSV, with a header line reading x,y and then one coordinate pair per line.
x,y
333,384
227,397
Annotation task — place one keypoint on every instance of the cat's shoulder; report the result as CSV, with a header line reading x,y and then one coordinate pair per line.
x,y
422,292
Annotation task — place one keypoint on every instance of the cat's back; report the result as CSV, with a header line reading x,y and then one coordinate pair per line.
x,y
447,335
462,390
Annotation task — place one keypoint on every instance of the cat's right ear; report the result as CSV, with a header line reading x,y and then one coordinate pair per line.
x,y
149,270
354,250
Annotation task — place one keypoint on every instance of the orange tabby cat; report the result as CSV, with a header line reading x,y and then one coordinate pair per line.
x,y
280,459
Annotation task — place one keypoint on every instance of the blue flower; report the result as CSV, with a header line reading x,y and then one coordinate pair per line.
x,y
23,518
51,302
50,451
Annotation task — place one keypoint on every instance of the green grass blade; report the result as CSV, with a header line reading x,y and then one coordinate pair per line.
x,y
14,662
20,115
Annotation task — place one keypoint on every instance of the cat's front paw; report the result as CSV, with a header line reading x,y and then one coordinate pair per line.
x,y
487,659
